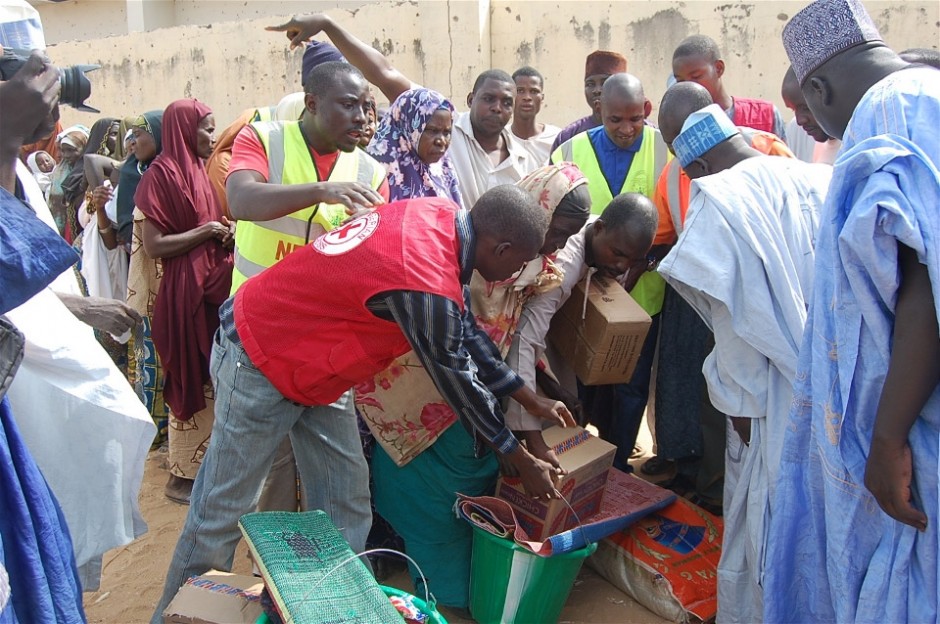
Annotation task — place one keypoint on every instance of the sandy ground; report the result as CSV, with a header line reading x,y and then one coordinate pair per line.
x,y
133,576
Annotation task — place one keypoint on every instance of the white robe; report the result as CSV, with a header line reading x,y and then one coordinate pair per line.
x,y
85,426
745,263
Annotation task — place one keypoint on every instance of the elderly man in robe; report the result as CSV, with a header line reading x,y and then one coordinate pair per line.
x,y
853,535
744,262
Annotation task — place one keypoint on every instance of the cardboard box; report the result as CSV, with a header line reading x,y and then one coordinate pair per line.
x,y
587,459
216,598
604,345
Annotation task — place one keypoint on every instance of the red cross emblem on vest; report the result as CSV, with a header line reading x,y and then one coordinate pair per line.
x,y
348,237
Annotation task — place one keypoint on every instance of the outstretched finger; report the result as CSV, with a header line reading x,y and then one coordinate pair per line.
x,y
280,28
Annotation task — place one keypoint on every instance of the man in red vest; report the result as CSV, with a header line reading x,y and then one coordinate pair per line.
x,y
297,336
698,59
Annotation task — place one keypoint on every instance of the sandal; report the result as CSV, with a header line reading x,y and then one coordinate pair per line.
x,y
178,489
657,466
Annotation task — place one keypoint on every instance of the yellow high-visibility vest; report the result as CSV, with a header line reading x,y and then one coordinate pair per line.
x,y
265,113
260,244
644,171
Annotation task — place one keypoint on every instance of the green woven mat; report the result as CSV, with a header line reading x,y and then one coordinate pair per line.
x,y
299,555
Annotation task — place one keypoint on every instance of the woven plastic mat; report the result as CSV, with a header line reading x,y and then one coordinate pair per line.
x,y
310,571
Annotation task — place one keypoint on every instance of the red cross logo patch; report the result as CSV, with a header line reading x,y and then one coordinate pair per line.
x,y
347,237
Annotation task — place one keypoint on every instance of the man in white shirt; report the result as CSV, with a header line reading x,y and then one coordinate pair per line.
x,y
608,245
537,138
483,150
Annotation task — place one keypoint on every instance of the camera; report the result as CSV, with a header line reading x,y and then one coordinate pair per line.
x,y
75,84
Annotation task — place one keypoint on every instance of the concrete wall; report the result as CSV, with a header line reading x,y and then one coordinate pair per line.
x,y
443,44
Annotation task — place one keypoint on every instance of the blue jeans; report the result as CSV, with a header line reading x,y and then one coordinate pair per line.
x,y
251,420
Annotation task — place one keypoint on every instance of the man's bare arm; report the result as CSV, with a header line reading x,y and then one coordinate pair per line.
x,y
372,63
913,375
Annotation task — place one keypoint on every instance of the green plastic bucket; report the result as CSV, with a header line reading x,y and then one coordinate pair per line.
x,y
433,616
511,585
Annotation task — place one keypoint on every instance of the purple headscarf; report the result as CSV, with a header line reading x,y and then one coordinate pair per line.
x,y
395,145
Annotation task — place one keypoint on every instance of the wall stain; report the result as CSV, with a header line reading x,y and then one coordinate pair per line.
x,y
419,53
737,34
655,37
385,47
524,53
603,35
539,45
585,33
188,89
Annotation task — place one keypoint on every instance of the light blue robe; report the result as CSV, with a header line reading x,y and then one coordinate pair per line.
x,y
744,262
833,554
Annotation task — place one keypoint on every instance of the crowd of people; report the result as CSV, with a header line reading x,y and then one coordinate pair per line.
x,y
346,307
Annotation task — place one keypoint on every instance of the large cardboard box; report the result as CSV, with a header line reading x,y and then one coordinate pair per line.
x,y
602,346
216,598
587,459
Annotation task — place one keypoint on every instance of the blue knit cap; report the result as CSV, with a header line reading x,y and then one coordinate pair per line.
x,y
703,130
317,53
822,30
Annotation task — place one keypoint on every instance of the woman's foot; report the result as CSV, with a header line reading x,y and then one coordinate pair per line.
x,y
178,489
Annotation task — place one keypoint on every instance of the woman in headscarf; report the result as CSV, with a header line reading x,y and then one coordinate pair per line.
x,y
412,141
186,229
72,143
147,145
422,460
102,141
143,272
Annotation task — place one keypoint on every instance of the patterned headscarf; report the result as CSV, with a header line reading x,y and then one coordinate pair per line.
x,y
395,145
548,186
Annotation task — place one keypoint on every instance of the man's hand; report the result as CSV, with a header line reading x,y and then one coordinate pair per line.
x,y
302,28
355,196
551,410
228,239
629,279
26,102
535,444
110,315
547,409
554,390
537,476
888,475
27,99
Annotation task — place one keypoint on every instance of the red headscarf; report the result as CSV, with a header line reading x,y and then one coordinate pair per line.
x,y
176,196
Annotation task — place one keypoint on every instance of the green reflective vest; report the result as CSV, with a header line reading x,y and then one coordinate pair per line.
x,y
647,164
